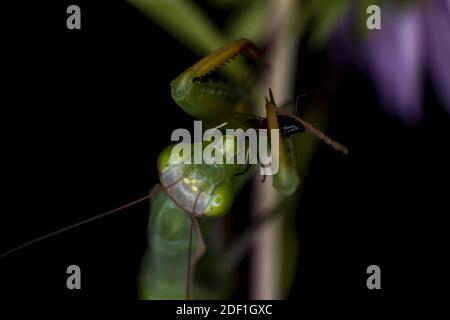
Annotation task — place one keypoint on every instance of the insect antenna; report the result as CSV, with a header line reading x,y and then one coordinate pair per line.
x,y
322,136
292,140
189,260
193,223
155,190
311,129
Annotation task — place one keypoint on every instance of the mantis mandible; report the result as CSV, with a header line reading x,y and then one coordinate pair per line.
x,y
188,192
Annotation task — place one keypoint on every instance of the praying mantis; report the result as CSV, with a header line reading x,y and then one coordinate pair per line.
x,y
214,101
188,194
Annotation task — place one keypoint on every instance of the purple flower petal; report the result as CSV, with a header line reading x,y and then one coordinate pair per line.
x,y
342,47
438,51
394,56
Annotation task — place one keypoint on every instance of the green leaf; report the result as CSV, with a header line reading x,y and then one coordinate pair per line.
x,y
185,21
226,3
326,18
249,21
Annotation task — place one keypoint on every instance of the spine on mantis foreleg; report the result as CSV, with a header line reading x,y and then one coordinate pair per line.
x,y
204,93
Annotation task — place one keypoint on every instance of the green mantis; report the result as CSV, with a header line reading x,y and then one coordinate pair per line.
x,y
206,191
188,194
210,100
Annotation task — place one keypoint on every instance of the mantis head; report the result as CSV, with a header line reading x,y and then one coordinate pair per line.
x,y
203,190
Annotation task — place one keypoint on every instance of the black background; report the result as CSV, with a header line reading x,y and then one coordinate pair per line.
x,y
85,113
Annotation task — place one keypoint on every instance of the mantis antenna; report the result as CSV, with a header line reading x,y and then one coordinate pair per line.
x,y
155,190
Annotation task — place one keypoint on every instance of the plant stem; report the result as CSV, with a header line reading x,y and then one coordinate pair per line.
x,y
266,256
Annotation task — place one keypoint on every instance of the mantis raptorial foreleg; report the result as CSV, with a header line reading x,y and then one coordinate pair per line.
x,y
213,99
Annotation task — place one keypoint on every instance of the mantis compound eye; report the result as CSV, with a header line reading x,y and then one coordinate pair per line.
x,y
220,201
168,158
164,159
